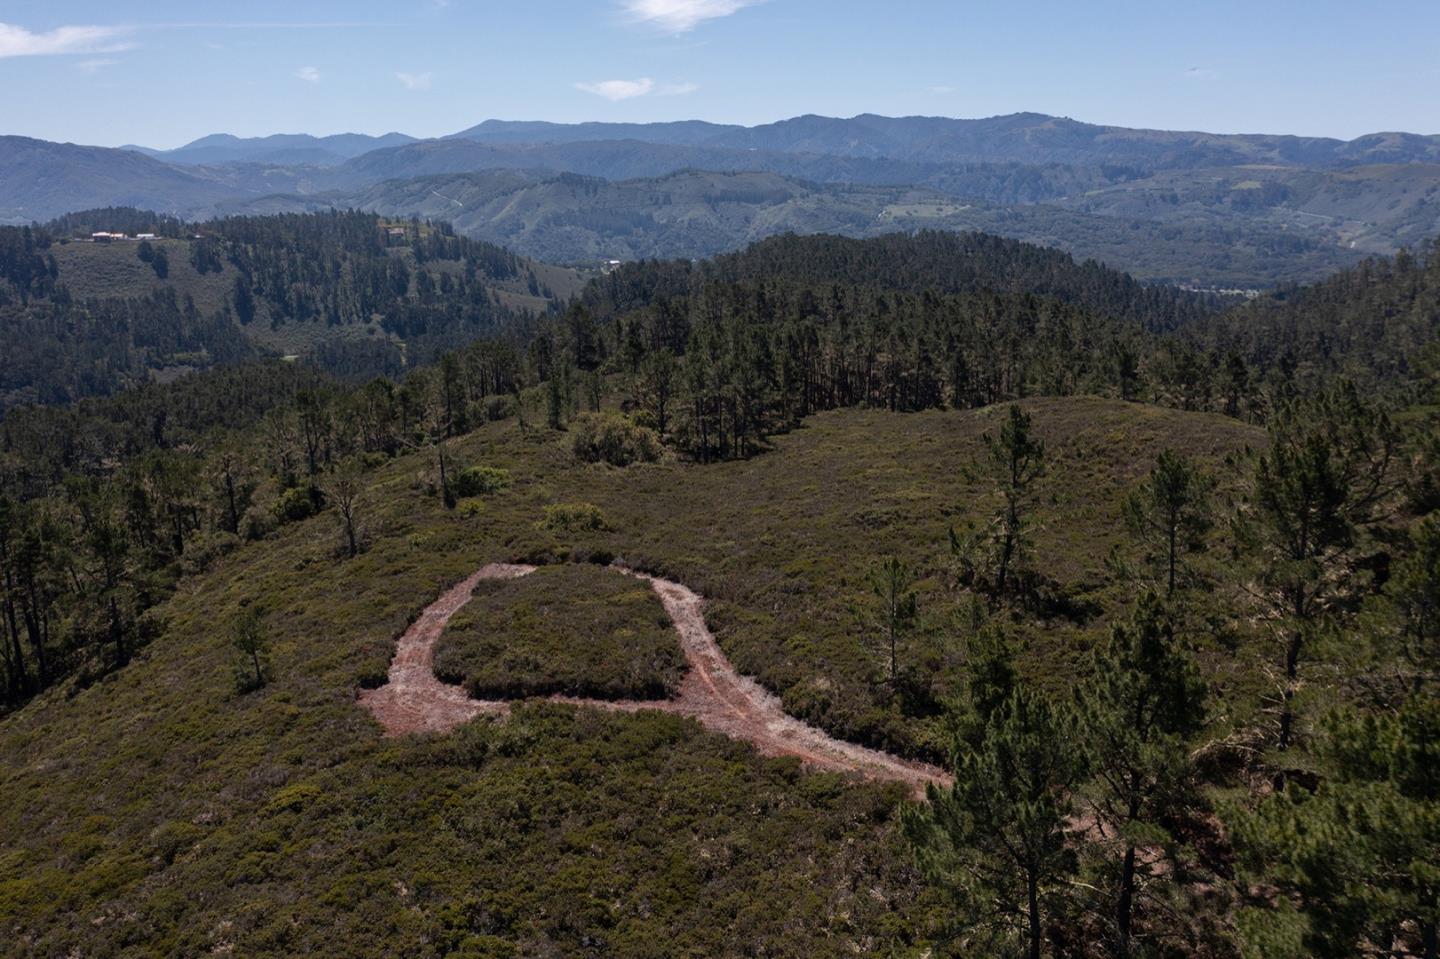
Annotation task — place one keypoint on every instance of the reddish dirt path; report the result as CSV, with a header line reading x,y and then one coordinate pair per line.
x,y
414,701
713,692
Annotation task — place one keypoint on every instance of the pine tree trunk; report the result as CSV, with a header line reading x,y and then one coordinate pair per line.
x,y
445,496
1007,547
1034,917
37,636
1170,581
1127,896
20,679
234,516
117,634
1292,670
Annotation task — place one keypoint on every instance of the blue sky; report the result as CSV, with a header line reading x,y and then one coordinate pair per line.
x,y
163,72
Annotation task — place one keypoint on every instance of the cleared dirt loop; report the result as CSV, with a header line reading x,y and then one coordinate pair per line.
x,y
713,693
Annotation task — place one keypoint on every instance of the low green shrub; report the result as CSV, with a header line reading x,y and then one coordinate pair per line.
x,y
481,481
579,630
298,503
257,523
499,408
574,518
613,439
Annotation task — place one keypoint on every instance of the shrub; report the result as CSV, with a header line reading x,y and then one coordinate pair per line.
x,y
205,549
298,503
499,408
257,523
574,518
573,630
481,481
608,438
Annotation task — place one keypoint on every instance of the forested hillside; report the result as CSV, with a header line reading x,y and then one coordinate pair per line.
x,y
348,292
1151,575
1379,322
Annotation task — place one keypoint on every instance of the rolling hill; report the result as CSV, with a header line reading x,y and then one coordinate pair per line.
x,y
227,726
40,180
281,821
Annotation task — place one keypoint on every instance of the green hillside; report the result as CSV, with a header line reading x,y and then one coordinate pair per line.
x,y
1146,604
350,293
311,834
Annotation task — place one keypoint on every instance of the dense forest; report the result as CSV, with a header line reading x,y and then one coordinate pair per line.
x,y
1142,806
724,354
345,291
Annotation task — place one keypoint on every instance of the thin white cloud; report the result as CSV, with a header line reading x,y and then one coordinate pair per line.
x,y
681,16
617,90
941,90
16,41
308,74
415,81
93,67
265,25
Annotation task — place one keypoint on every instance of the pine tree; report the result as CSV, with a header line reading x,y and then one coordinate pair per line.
x,y
1330,468
1358,859
1169,514
1142,703
252,649
1415,590
892,583
1015,458
996,840
343,490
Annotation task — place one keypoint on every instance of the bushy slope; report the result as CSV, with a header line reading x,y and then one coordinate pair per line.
x,y
574,630
782,544
276,822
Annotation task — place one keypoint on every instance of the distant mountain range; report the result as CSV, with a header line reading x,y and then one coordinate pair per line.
x,y
282,148
1200,208
1020,137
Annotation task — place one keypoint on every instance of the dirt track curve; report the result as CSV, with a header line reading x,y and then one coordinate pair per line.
x,y
712,693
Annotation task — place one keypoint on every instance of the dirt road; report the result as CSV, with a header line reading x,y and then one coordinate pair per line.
x,y
713,692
